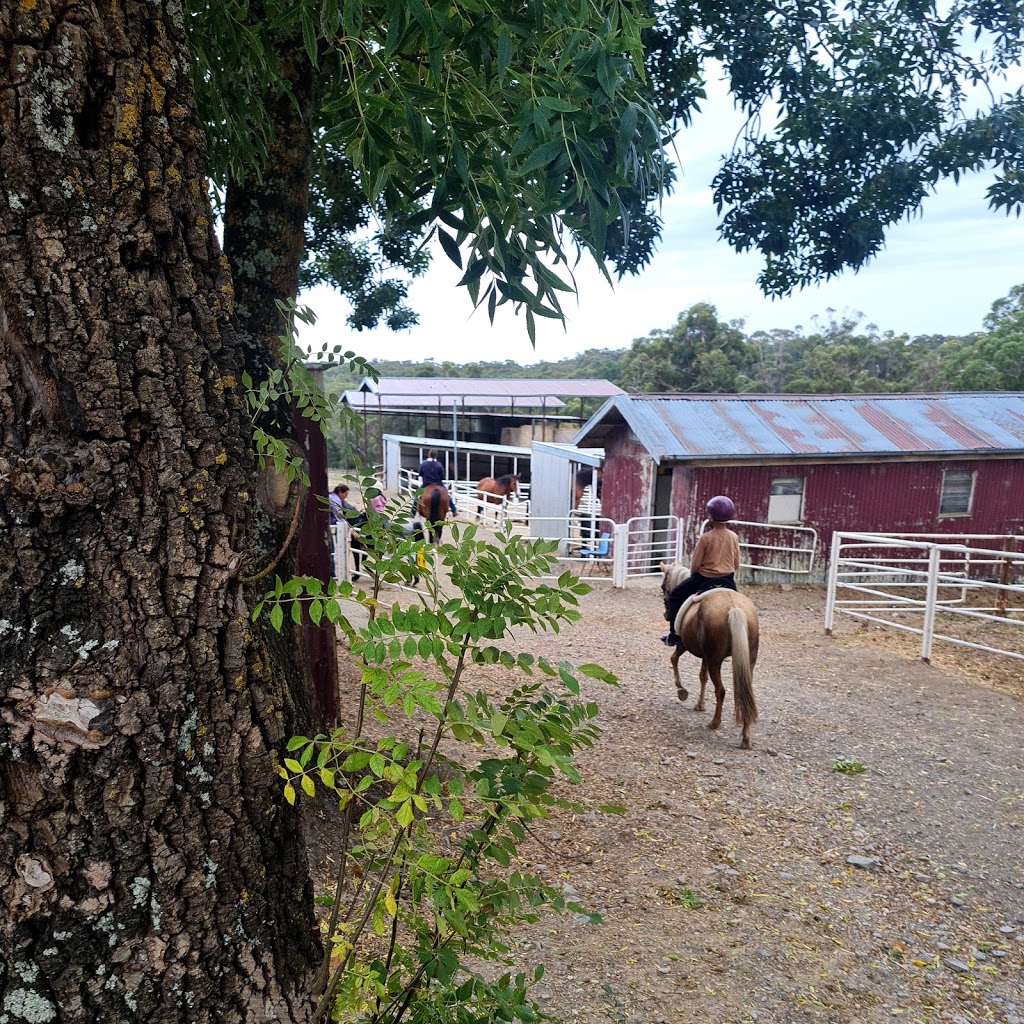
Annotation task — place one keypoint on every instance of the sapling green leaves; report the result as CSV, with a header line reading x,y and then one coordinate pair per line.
x,y
441,793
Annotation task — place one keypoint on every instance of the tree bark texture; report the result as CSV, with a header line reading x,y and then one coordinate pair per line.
x,y
148,869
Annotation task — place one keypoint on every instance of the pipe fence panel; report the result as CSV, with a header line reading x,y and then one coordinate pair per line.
x,y
966,591
649,541
775,547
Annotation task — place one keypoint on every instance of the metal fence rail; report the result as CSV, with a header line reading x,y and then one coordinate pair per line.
x,y
646,542
898,579
795,546
623,551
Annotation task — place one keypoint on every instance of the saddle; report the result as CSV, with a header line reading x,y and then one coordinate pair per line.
x,y
677,626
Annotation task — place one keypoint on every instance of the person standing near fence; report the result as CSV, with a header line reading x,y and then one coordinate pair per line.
x,y
341,511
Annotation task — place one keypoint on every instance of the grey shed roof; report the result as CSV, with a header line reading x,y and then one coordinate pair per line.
x,y
502,388
691,427
439,400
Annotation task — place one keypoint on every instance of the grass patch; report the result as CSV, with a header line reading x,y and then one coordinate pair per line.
x,y
688,899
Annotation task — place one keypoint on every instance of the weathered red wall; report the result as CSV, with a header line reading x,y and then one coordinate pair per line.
x,y
874,497
312,558
626,485
892,497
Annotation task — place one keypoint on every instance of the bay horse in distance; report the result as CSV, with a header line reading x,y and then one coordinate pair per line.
x,y
493,489
432,508
585,478
713,626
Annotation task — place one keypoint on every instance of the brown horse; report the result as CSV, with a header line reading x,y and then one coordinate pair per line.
x,y
584,479
494,489
432,507
713,626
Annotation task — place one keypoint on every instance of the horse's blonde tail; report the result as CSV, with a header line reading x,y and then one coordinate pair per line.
x,y
742,671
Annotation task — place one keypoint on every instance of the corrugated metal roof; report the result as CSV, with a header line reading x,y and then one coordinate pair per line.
x,y
677,427
502,388
439,400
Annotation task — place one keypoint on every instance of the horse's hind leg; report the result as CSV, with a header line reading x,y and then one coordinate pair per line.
x,y
681,692
716,677
699,706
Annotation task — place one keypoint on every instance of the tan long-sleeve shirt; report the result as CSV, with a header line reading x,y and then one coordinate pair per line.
x,y
717,553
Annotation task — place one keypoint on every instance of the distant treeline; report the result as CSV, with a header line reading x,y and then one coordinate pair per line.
x,y
700,353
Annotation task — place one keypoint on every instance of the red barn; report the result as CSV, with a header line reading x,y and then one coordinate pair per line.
x,y
927,463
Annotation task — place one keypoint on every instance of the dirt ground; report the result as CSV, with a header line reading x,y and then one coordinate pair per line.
x,y
765,885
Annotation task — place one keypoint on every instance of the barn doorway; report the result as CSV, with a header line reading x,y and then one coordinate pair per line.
x,y
663,491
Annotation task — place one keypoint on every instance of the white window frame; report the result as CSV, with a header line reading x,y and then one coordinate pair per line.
x,y
973,473
780,506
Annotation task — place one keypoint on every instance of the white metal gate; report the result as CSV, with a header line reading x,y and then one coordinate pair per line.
x,y
647,541
928,585
643,543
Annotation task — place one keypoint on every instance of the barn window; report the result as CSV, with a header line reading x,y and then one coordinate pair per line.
x,y
786,501
957,493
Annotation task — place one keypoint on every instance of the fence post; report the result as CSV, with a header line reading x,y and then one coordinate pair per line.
x,y
1004,579
833,576
930,598
342,542
620,536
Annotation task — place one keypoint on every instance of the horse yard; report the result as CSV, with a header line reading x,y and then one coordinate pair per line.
x,y
863,862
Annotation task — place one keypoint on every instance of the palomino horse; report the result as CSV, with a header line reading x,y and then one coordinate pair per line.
x,y
432,506
713,626
494,489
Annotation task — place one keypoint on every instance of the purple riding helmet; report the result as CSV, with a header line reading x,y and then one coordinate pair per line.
x,y
721,508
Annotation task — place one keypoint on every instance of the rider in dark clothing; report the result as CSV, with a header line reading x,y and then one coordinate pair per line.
x,y
716,558
432,472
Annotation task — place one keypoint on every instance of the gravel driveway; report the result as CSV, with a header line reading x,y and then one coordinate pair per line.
x,y
765,885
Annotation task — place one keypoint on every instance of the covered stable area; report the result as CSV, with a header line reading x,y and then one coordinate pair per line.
x,y
473,413
548,471
464,462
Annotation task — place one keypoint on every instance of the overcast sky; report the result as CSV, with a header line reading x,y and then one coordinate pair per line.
x,y
938,274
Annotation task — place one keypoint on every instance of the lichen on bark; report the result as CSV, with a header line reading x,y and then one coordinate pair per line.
x,y
139,810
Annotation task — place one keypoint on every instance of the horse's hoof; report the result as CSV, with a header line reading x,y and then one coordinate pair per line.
x,y
682,694
699,706
745,745
713,724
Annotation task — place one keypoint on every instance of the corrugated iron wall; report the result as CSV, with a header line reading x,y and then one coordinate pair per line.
x,y
891,497
897,496
627,485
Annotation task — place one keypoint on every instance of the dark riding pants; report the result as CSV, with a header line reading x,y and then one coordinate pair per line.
x,y
695,584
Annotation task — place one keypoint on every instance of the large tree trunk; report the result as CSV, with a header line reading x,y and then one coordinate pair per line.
x,y
148,870
264,241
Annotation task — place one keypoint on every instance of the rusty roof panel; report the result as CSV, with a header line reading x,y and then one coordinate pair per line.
x,y
718,426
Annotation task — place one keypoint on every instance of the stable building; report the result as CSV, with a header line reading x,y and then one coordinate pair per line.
x,y
909,463
506,411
